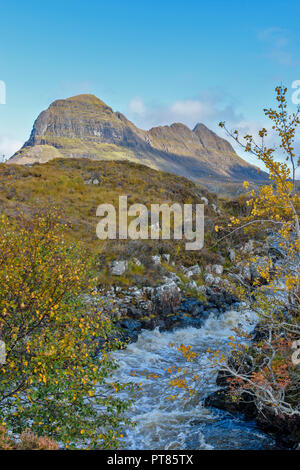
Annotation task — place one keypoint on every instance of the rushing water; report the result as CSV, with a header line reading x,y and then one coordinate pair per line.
x,y
184,424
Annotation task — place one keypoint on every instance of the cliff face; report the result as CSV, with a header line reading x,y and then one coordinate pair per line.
x,y
84,126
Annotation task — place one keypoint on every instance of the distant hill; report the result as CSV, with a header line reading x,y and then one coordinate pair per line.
x,y
85,127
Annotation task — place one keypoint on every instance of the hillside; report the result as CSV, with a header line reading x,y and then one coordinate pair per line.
x,y
75,187
85,127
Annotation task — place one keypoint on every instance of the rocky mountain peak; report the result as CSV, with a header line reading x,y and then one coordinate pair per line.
x,y
83,126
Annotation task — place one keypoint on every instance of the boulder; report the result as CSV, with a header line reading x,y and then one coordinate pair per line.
x,y
195,269
217,269
209,279
173,277
117,268
191,285
156,260
131,325
166,298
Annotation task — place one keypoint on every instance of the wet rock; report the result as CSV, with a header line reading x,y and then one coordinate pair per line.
x,y
188,321
193,306
130,324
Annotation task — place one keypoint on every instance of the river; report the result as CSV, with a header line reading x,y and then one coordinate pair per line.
x,y
185,423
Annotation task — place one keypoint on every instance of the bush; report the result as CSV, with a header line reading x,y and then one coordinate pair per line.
x,y
53,382
27,441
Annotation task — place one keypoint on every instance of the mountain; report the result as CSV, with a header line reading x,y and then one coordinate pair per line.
x,y
83,126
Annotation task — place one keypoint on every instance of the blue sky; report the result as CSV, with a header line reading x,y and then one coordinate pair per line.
x,y
157,62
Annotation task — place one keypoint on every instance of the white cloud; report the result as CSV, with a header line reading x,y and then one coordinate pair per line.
x,y
137,106
207,109
8,146
191,109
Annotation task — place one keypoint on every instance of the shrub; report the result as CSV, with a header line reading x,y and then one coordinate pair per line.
x,y
53,382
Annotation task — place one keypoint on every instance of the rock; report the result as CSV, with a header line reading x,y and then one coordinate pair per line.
x,y
156,260
166,298
201,289
259,263
191,285
137,261
216,209
117,268
209,279
166,257
217,269
246,273
251,272
129,324
192,306
193,270
204,200
96,181
188,321
212,280
173,277
273,247
248,247
88,119
231,255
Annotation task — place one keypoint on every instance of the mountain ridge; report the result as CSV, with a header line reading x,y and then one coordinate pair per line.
x,y
83,126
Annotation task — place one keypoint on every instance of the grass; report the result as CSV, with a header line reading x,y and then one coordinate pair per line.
x,y
62,183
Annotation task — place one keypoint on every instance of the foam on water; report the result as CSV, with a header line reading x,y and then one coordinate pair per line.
x,y
183,424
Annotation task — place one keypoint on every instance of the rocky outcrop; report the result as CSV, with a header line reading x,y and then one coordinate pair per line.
x,y
85,127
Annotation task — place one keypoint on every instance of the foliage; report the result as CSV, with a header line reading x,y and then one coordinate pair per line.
x,y
265,370
262,367
53,382
26,441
